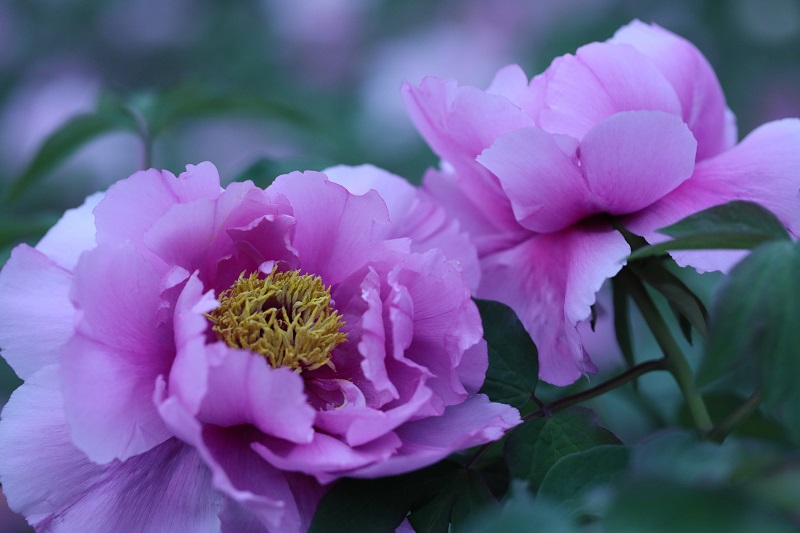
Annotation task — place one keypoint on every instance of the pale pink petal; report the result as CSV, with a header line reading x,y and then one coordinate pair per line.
x,y
763,168
72,235
599,80
473,422
694,81
110,366
36,314
57,488
632,159
545,185
551,281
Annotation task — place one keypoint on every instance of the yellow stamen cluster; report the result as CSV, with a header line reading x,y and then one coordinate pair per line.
x,y
286,317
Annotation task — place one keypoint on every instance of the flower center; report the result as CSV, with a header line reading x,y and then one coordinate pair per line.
x,y
286,317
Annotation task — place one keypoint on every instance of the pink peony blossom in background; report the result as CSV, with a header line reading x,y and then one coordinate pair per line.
x,y
635,129
144,409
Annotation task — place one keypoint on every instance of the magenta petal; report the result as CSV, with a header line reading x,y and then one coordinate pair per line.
x,y
237,472
694,81
551,282
132,205
512,83
36,314
599,80
57,488
460,122
244,389
544,185
473,422
763,168
413,214
110,366
326,456
72,235
335,232
633,159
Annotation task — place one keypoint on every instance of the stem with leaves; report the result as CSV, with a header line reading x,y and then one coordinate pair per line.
x,y
674,358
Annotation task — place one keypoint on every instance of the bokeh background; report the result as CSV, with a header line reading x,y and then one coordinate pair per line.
x,y
260,87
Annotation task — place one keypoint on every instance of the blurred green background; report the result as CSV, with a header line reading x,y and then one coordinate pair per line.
x,y
260,87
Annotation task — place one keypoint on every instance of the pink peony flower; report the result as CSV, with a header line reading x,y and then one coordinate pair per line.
x,y
636,129
200,359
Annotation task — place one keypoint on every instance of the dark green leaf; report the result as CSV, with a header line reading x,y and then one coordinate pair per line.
x,y
434,516
513,359
66,140
573,474
472,497
737,225
737,217
379,505
687,306
622,322
534,447
755,326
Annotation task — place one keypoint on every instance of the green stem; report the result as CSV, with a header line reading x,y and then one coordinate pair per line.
x,y
726,426
675,360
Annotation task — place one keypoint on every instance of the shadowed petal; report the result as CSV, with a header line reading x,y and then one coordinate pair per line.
x,y
551,281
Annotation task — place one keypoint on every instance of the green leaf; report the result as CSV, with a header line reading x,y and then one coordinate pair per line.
x,y
688,308
66,140
657,506
535,446
622,323
522,514
755,326
737,225
513,360
379,505
568,480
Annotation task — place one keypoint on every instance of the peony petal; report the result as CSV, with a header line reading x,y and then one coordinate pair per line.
x,y
471,423
632,159
460,122
599,80
512,83
36,314
335,233
244,389
489,229
326,456
694,81
132,205
110,366
58,489
551,281
72,235
545,185
762,169
445,320
413,214
237,472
